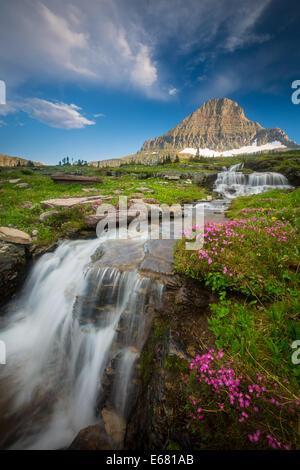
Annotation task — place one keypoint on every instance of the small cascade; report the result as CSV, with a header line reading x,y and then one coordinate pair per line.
x,y
232,183
72,346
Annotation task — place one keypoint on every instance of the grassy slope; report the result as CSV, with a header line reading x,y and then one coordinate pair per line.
x,y
257,317
13,202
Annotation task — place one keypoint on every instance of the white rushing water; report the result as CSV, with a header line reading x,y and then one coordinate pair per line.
x,y
232,183
61,339
74,334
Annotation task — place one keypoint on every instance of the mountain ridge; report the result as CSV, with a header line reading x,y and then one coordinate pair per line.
x,y
9,161
220,125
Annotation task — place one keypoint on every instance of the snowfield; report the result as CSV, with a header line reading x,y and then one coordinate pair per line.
x,y
229,153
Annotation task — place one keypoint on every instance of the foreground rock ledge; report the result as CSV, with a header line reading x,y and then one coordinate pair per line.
x,y
13,235
13,267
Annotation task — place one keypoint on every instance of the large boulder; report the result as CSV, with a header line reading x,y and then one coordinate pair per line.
x,y
70,179
13,261
13,235
91,438
115,426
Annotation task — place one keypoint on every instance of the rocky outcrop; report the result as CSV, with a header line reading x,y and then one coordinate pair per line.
x,y
158,417
12,235
220,124
91,438
8,161
13,263
70,179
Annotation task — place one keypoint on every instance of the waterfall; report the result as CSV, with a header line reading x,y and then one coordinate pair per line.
x,y
72,345
231,183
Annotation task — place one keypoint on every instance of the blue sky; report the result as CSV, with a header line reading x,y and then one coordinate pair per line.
x,y
95,79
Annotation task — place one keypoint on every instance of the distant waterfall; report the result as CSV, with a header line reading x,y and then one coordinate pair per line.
x,y
73,324
232,183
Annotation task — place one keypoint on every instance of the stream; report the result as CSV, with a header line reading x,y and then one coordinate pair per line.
x,y
75,332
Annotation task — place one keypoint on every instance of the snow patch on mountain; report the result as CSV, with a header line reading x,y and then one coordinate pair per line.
x,y
229,153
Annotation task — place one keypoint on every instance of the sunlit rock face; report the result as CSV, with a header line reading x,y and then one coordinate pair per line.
x,y
220,124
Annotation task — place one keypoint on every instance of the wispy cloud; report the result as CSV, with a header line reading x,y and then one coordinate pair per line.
x,y
53,114
242,24
118,43
173,91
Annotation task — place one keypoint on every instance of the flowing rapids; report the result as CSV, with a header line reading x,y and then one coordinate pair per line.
x,y
71,323
74,335
231,183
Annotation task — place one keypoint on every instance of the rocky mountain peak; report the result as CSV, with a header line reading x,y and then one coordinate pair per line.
x,y
219,124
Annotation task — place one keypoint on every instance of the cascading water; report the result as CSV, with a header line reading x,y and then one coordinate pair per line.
x,y
231,183
73,324
76,332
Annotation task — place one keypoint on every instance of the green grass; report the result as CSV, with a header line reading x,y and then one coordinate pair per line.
x,y
41,187
257,278
280,204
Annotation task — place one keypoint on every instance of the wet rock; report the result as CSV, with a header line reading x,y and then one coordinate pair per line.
x,y
159,414
12,235
206,179
91,438
13,262
115,426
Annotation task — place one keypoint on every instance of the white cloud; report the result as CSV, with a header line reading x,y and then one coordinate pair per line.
x,y
97,115
66,41
144,73
117,43
53,114
173,91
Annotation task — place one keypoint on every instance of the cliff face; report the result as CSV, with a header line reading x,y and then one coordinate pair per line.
x,y
220,124
6,160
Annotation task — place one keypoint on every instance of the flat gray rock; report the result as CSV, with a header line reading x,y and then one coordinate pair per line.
x,y
13,235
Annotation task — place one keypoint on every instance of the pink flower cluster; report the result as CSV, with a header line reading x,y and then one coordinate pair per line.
x,y
218,237
234,393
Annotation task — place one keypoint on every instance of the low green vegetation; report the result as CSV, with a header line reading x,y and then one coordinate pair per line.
x,y
252,261
20,207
